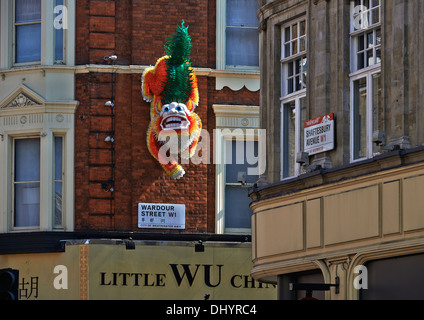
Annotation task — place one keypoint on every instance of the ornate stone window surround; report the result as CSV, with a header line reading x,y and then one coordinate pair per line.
x,y
25,114
230,117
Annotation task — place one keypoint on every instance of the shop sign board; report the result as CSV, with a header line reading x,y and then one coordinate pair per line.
x,y
161,216
105,269
319,134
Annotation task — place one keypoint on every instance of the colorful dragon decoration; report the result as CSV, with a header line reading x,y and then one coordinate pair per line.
x,y
171,88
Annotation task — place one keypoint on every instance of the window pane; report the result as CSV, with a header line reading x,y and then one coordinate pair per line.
x,y
360,119
58,41
237,210
370,42
58,45
378,55
242,13
304,72
287,52
58,166
58,204
27,205
378,37
242,47
302,123
28,43
290,69
361,57
298,83
27,160
302,28
294,71
290,86
294,31
376,104
58,150
27,11
239,157
375,16
27,195
367,3
302,44
289,139
295,47
361,42
287,33
370,58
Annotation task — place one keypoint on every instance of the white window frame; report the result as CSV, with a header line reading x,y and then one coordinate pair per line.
x,y
14,183
221,25
42,39
285,60
368,76
62,180
224,139
47,181
230,119
295,97
65,36
366,72
8,37
47,120
364,30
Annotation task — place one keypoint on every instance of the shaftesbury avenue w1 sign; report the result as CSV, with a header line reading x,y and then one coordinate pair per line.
x,y
319,134
161,216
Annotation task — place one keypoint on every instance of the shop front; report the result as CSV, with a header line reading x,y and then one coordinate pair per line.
x,y
103,269
358,228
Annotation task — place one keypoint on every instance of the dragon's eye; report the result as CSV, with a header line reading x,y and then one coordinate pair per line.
x,y
166,109
179,108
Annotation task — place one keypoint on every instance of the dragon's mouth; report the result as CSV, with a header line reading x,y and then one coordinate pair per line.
x,y
174,123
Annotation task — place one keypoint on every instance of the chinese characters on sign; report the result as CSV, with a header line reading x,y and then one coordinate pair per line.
x,y
161,216
28,289
319,134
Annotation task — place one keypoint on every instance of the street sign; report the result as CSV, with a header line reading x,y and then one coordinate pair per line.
x,y
161,216
319,134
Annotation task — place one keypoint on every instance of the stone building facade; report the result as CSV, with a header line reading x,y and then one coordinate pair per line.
x,y
346,76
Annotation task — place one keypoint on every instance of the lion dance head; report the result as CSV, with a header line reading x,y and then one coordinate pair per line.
x,y
171,88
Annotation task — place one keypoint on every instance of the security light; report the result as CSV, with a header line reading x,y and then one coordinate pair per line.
x,y
129,244
108,186
109,104
199,247
112,58
302,158
109,139
241,177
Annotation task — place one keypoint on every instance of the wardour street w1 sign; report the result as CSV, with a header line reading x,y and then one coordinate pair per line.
x,y
319,134
161,216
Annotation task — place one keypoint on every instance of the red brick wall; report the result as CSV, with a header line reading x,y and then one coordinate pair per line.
x,y
136,31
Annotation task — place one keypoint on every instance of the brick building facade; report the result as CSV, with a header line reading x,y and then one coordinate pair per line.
x,y
135,32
